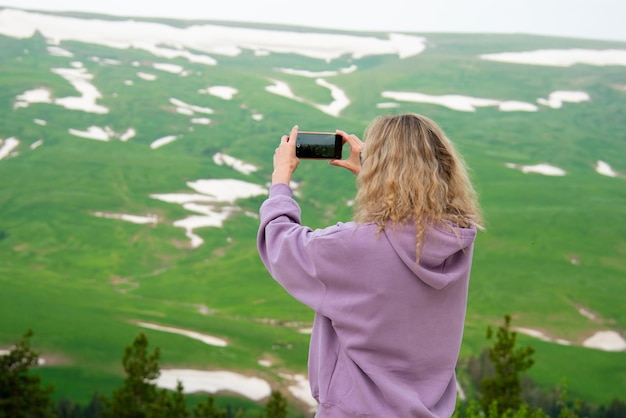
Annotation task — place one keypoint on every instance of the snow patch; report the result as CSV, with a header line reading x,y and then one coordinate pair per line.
x,y
317,74
223,92
201,121
214,381
39,95
545,169
93,132
561,57
540,335
58,51
239,165
301,389
556,99
340,100
587,314
79,78
605,169
163,141
106,61
102,134
227,190
189,109
136,219
606,341
387,105
146,76
170,68
207,339
214,201
601,340
7,146
130,133
459,102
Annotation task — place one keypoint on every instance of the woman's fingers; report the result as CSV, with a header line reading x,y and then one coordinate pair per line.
x,y
293,135
356,145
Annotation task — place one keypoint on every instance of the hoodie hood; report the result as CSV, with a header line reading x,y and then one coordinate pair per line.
x,y
446,252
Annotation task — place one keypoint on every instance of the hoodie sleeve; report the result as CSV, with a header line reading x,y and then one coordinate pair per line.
x,y
287,248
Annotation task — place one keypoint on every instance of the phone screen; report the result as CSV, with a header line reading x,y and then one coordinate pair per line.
x,y
320,145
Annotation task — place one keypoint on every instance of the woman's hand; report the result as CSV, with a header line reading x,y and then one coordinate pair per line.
x,y
285,160
353,162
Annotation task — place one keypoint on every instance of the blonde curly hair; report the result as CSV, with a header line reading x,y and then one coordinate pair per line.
x,y
411,172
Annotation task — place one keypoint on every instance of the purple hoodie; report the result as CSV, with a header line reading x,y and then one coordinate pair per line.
x,y
387,330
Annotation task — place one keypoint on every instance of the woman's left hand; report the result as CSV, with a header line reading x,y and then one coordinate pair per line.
x,y
353,162
285,160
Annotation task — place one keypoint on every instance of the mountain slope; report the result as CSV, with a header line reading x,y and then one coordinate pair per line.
x,y
135,155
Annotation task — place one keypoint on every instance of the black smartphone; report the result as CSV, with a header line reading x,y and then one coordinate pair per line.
x,y
319,145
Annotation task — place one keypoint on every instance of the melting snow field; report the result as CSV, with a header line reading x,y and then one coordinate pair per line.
x,y
223,92
457,102
214,201
600,167
207,339
189,109
561,57
136,219
301,389
195,381
229,41
540,335
146,76
163,141
241,166
80,79
7,146
470,104
102,134
317,74
340,100
170,42
601,340
214,381
605,169
545,169
606,340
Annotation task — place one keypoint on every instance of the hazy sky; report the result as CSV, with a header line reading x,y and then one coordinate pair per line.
x,y
597,19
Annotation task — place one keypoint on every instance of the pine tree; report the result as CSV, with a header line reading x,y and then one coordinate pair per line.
x,y
21,393
504,389
138,397
276,406
208,409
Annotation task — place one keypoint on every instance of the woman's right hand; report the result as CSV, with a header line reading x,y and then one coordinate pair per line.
x,y
353,162
285,160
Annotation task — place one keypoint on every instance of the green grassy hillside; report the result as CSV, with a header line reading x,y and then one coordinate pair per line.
x,y
553,245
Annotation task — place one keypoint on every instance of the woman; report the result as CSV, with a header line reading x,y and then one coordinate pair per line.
x,y
390,288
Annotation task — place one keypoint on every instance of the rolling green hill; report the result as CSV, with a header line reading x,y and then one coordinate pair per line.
x,y
553,255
